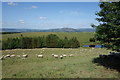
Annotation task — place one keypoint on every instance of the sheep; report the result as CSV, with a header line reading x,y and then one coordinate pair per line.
x,y
7,56
1,58
61,57
112,53
52,54
25,55
64,55
12,55
56,56
40,56
71,55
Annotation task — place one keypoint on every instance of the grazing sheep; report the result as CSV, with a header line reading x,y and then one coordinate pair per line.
x,y
40,56
61,57
52,54
64,55
56,56
71,55
25,56
112,53
12,55
1,58
7,56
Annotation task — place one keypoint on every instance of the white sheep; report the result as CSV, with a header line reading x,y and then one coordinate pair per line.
x,y
2,57
12,55
64,55
52,54
7,56
40,56
56,56
61,57
25,55
71,55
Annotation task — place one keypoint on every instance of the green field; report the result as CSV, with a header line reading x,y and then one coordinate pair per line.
x,y
78,66
83,37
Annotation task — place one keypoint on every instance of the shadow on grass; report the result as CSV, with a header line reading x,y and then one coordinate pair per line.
x,y
111,62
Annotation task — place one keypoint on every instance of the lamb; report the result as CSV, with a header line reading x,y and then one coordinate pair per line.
x,y
40,56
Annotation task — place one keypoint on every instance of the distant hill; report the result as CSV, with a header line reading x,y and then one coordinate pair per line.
x,y
48,30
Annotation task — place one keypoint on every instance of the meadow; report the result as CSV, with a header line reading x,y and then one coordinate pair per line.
x,y
78,66
83,37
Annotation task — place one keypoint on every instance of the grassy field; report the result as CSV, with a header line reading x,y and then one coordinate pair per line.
x,y
83,37
78,66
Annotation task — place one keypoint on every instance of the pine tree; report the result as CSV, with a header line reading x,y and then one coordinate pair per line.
x,y
108,31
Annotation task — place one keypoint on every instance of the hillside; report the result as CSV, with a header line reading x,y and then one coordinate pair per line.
x,y
83,37
48,30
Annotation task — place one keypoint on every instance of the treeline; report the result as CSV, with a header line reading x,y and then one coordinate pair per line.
x,y
50,41
9,32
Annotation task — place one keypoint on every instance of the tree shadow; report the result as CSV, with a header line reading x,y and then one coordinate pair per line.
x,y
109,61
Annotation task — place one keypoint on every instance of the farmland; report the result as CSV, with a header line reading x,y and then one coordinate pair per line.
x,y
78,66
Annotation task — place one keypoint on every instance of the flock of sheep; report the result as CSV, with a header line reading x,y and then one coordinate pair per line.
x,y
37,55
11,56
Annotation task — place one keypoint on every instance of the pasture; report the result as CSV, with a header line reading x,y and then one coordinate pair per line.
x,y
83,37
78,66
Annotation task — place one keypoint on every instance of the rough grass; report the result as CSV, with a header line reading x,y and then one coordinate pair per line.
x,y
79,66
83,37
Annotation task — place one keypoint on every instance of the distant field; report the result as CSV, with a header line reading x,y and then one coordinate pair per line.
x,y
83,37
78,66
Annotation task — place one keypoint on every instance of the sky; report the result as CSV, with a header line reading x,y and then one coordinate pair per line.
x,y
49,15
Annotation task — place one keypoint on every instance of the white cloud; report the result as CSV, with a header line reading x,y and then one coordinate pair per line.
x,y
11,4
21,21
43,18
71,12
34,7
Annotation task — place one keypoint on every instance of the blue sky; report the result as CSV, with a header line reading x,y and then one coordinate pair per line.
x,y
48,15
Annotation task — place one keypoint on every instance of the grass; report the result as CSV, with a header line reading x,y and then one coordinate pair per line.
x,y
83,37
79,66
